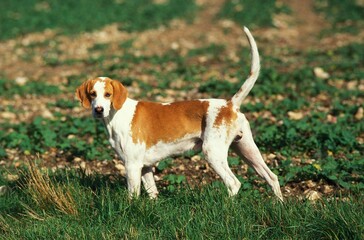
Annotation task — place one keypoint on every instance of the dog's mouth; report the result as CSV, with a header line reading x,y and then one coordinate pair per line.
x,y
97,115
99,112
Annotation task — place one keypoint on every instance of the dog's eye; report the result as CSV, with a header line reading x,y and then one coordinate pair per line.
x,y
107,95
93,94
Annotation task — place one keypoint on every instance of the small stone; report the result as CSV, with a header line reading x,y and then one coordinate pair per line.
x,y
88,171
83,165
295,115
17,164
77,159
310,184
61,166
175,46
331,119
12,177
202,59
119,166
320,73
3,190
352,85
226,23
121,169
327,189
47,114
359,114
8,115
313,195
21,81
71,136
196,158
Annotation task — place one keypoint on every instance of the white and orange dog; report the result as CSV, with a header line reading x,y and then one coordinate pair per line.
x,y
143,133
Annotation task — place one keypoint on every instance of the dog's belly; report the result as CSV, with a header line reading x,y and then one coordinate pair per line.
x,y
162,150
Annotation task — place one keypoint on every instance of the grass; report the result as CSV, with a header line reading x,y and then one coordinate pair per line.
x,y
9,88
26,16
42,134
253,13
45,194
73,205
345,16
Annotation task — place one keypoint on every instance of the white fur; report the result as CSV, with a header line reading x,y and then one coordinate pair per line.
x,y
162,149
100,100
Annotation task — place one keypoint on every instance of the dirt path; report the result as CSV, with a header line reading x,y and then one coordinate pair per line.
x,y
308,24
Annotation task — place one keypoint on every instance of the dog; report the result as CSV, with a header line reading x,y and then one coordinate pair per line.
x,y
143,133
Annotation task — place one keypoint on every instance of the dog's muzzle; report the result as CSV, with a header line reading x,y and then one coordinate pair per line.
x,y
99,111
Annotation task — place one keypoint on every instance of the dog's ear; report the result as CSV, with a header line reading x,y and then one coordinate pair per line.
x,y
82,93
119,94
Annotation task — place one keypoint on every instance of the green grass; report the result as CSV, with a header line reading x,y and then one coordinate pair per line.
x,y
345,16
101,210
42,134
252,13
8,88
70,17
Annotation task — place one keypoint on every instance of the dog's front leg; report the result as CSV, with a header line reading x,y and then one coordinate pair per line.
x,y
148,182
133,176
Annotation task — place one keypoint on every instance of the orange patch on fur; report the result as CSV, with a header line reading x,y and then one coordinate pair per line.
x,y
154,122
83,92
226,115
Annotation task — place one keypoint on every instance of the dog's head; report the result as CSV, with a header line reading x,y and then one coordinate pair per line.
x,y
102,94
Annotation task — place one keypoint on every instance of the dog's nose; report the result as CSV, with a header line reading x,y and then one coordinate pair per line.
x,y
99,109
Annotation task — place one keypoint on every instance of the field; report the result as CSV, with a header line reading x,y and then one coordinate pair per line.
x,y
60,179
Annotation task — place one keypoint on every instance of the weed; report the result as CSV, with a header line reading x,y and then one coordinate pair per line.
x,y
45,194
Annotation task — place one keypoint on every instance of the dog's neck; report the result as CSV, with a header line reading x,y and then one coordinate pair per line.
x,y
126,113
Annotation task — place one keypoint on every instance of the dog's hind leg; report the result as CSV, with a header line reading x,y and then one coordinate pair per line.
x,y
217,158
248,150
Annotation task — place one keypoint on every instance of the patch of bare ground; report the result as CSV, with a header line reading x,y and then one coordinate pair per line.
x,y
29,52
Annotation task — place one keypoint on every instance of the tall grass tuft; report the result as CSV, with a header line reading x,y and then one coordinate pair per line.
x,y
46,194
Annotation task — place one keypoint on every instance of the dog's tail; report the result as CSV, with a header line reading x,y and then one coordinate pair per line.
x,y
238,98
